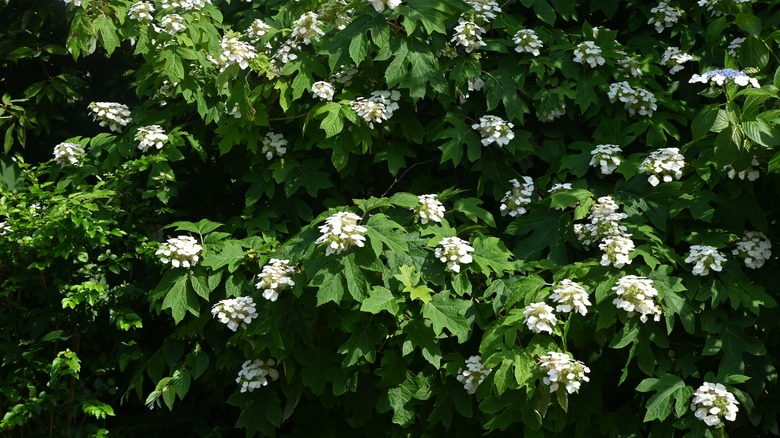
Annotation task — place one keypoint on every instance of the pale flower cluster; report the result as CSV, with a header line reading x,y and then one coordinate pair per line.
x,y
664,164
483,10
560,369
68,154
603,221
473,375
235,51
111,114
150,136
275,277
570,296
664,16
141,11
494,129
340,231
344,75
734,46
235,312
527,41
469,35
712,5
185,4
323,90
254,374
5,228
514,201
674,58
380,5
554,113
558,187
635,100
377,108
704,258
181,251
630,66
454,251
307,28
274,144
171,24
751,173
607,157
588,53
75,2
724,75
539,317
616,250
712,403
637,295
257,30
430,209
754,249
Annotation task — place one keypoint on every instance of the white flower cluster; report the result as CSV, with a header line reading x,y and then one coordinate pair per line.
x,y
5,228
712,5
554,113
637,294
712,404
616,249
185,4
339,13
257,30
514,201
469,35
150,136
235,312
377,108
588,52
754,248
344,75
751,173
430,209
380,5
323,90
255,374
527,41
473,84
274,144
705,257
560,369
604,221
235,112
340,231
558,187
635,100
141,11
570,296
606,156
307,28
494,129
181,251
167,90
473,375
674,58
68,154
171,24
539,317
483,10
734,46
111,114
453,251
283,54
235,51
664,16
75,2
724,75
666,163
275,277
630,66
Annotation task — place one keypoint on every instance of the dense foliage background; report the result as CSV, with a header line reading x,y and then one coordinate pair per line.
x,y
99,335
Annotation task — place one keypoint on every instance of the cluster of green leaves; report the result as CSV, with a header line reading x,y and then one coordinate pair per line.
x,y
376,335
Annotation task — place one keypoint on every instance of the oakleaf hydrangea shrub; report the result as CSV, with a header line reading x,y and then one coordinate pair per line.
x,y
531,218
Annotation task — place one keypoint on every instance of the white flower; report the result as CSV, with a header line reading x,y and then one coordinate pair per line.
x,y
588,52
274,144
723,75
377,108
712,403
475,84
469,35
430,209
307,28
255,374
630,66
754,249
637,294
257,30
235,312
539,317
514,201
453,251
635,100
705,258
483,10
380,5
344,75
5,228
616,249
604,222
323,90
473,375
570,297
152,135
340,231
674,58
235,112
715,7
664,16
141,11
185,4
68,154
560,369
734,46
167,90
111,114
274,278
494,130
558,187
751,173
606,156
75,2
663,164
235,51
172,24
554,113
527,41
180,251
